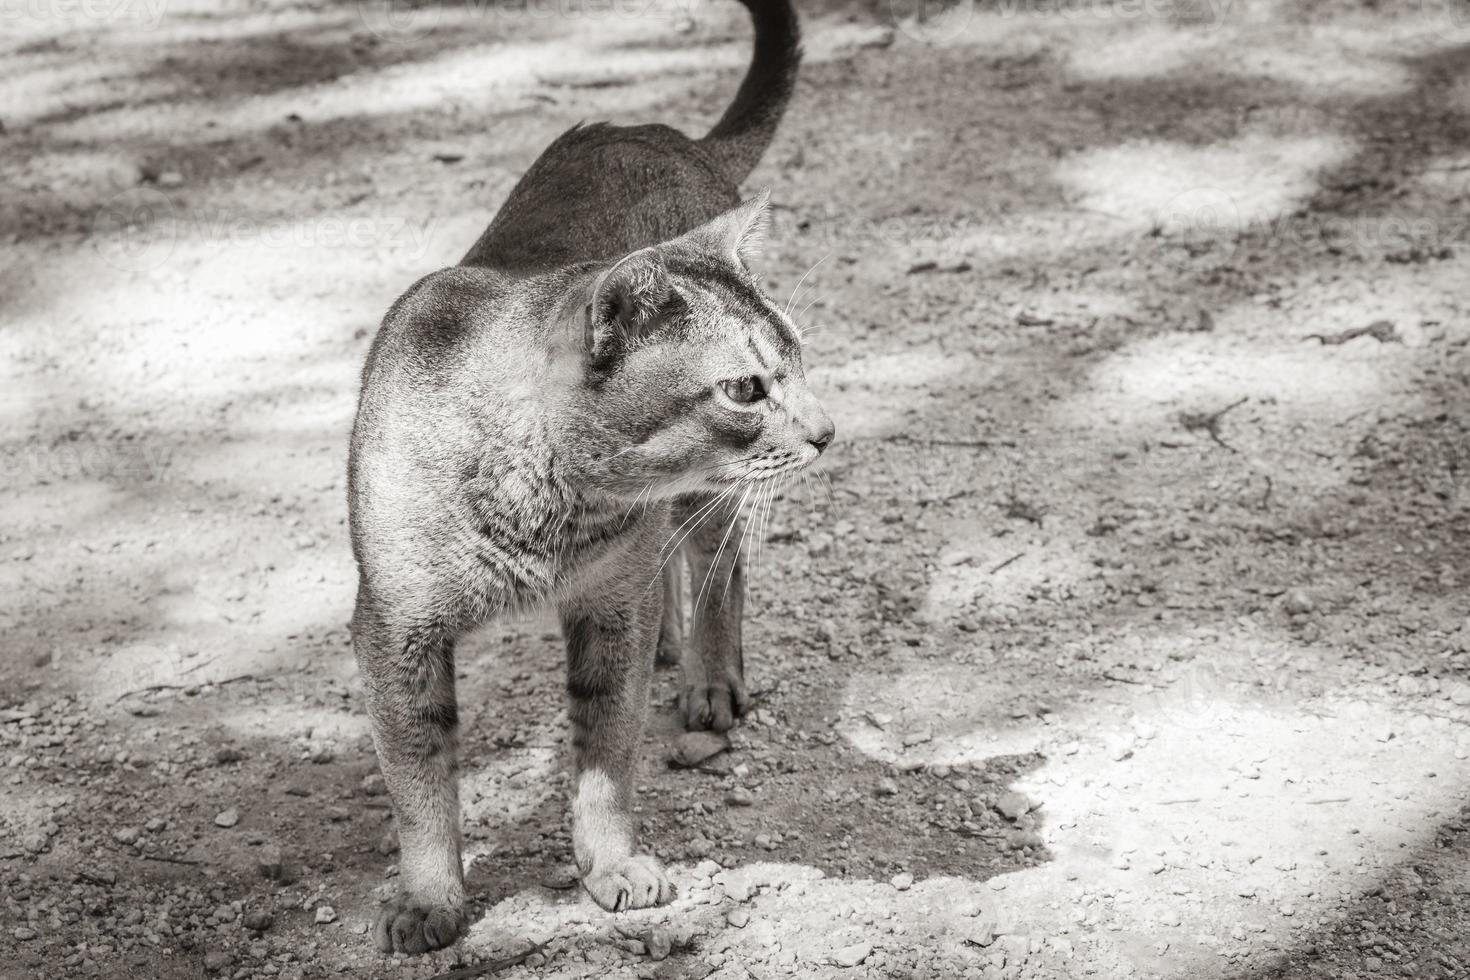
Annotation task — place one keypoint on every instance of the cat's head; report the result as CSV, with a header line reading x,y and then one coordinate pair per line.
x,y
693,373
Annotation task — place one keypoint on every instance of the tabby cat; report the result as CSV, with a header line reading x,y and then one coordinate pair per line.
x,y
599,381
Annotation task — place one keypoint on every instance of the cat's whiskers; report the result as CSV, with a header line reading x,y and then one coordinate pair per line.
x,y
739,549
794,289
719,553
645,496
814,300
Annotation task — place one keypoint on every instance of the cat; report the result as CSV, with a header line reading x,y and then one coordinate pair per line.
x,y
599,378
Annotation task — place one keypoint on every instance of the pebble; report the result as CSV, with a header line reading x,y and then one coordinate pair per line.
x,y
850,956
887,787
227,818
217,961
903,882
738,918
126,835
24,934
740,796
1012,805
660,943
258,921
268,864
374,785
325,914
1298,603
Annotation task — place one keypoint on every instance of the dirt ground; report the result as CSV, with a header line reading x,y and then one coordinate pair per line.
x,y
1125,634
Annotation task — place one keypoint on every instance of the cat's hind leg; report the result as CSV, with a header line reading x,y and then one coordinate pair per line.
x,y
409,675
671,638
713,692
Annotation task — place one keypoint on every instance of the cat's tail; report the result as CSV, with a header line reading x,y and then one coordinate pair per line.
x,y
745,130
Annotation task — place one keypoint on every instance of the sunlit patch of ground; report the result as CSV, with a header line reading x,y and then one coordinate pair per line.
x,y
1220,188
1190,822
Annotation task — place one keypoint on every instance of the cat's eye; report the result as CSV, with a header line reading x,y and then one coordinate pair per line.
x,y
743,391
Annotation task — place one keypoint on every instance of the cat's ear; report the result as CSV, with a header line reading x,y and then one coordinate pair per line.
x,y
627,301
739,233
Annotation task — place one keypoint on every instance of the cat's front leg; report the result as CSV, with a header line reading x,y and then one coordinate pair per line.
x,y
610,649
409,677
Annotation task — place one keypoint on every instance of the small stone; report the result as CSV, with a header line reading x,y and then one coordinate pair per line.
x,y
338,814
258,921
269,864
740,796
850,956
217,961
903,882
1012,805
738,918
322,754
1170,918
227,818
1238,934
126,835
693,748
24,934
887,787
325,914
917,738
1298,603
374,785
660,943
227,755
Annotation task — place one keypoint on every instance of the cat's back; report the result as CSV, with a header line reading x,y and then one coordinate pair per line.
x,y
599,192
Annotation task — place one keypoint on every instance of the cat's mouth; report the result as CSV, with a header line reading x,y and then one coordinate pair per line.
x,y
763,468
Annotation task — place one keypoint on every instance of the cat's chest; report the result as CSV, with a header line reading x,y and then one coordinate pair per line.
x,y
535,532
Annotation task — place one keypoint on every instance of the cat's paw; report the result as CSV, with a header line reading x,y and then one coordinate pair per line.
x,y
713,706
408,926
636,882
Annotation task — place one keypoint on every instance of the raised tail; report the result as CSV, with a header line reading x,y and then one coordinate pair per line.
x,y
745,130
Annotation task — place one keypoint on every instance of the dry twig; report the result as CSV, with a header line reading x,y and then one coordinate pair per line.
x,y
179,687
1380,330
491,966
1210,422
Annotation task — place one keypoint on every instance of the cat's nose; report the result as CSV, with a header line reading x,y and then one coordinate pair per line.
x,y
822,437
